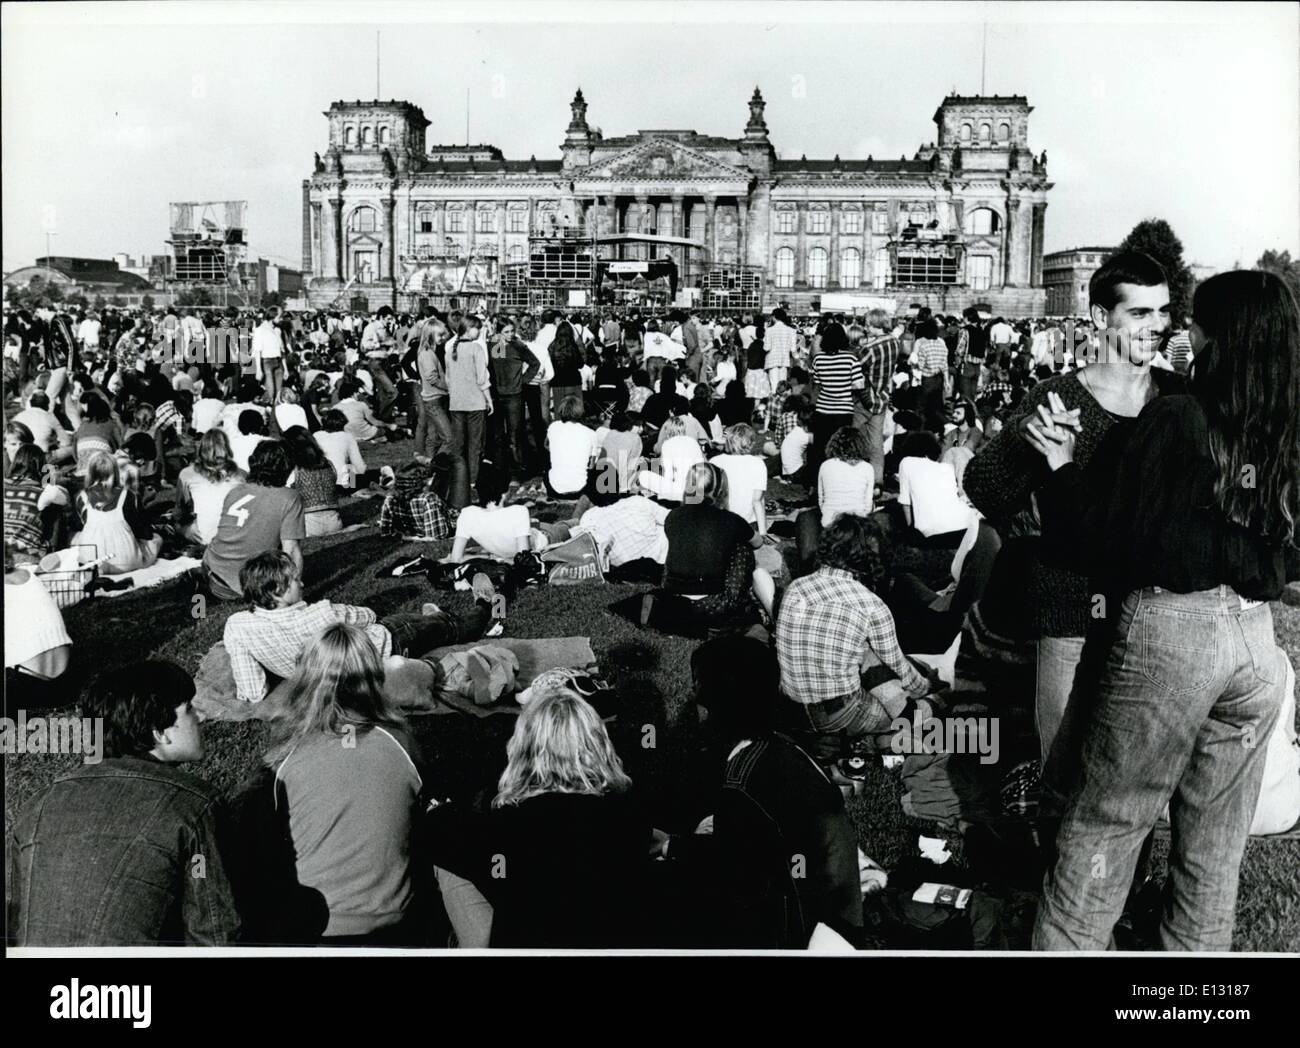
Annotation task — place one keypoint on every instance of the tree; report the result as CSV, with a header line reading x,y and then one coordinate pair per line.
x,y
99,303
197,296
1280,262
1157,239
146,302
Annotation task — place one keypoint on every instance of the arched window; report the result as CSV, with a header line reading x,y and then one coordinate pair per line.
x,y
850,267
1004,132
365,137
982,221
363,220
880,269
986,134
349,137
785,267
383,136
817,267
517,253
965,134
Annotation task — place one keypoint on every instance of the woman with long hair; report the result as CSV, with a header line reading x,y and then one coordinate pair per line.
x,y
845,484
711,580
348,769
203,485
469,387
111,520
566,358
314,479
33,507
678,451
560,859
1196,534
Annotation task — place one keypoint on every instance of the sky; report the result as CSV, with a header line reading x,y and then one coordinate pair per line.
x,y
1187,112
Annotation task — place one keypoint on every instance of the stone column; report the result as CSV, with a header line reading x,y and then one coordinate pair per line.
x,y
679,227
642,251
471,234
1008,240
337,207
501,233
742,220
801,248
833,262
388,260
710,230
1036,247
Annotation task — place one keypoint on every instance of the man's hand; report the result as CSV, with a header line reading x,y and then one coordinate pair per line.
x,y
1057,446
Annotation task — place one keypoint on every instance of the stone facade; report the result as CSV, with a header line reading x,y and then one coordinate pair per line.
x,y
1066,275
962,221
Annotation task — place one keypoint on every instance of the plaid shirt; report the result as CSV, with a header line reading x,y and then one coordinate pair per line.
x,y
963,347
424,515
167,417
878,362
931,357
628,530
272,639
830,630
999,388
780,342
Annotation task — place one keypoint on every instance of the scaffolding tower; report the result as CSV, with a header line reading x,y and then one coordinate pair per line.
x,y
209,245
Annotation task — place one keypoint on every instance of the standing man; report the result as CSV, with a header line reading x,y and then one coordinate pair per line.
x,y
268,354
878,360
972,350
88,335
780,343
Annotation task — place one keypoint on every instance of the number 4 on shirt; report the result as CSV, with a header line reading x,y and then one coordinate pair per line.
x,y
237,510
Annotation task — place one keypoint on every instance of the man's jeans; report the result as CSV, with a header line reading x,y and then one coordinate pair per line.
x,y
1058,662
872,425
433,430
1188,696
467,431
537,401
509,420
415,633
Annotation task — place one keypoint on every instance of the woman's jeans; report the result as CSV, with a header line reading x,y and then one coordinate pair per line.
x,y
468,429
469,912
322,522
1187,699
433,428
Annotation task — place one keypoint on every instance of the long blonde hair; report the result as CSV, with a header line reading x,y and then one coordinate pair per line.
x,y
337,687
559,745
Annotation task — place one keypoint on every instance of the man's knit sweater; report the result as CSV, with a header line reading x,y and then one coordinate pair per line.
x,y
1003,476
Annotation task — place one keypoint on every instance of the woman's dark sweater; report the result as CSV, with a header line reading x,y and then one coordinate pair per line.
x,y
701,541
1157,524
561,870
1006,472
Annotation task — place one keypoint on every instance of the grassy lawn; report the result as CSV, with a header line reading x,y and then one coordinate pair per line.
x,y
649,670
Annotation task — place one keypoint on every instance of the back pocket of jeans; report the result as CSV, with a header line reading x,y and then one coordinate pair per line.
x,y
1179,650
1270,667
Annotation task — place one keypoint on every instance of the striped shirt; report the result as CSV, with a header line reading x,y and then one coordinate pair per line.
x,y
931,356
834,374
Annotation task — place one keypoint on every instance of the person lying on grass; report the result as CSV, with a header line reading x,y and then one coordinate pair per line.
x,y
501,531
267,640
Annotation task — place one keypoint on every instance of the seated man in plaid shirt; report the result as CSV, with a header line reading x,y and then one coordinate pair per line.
x,y
414,509
266,640
842,669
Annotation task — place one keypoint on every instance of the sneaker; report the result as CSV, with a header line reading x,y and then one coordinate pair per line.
x,y
430,609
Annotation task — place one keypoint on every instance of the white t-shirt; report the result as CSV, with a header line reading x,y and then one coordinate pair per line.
x,y
242,447
289,415
497,530
844,488
47,434
88,332
207,498
794,450
33,623
572,446
206,413
930,488
344,454
657,344
746,474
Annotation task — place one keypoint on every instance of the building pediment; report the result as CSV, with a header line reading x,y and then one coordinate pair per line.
x,y
661,159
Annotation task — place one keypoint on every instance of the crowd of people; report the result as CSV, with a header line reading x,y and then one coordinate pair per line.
x,y
1113,524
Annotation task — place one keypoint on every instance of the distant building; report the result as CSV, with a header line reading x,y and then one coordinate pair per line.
x,y
962,221
87,276
1066,275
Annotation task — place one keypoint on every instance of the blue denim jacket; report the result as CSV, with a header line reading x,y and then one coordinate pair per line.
x,y
123,853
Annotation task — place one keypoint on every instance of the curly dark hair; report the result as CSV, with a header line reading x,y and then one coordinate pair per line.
x,y
269,464
857,545
134,702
